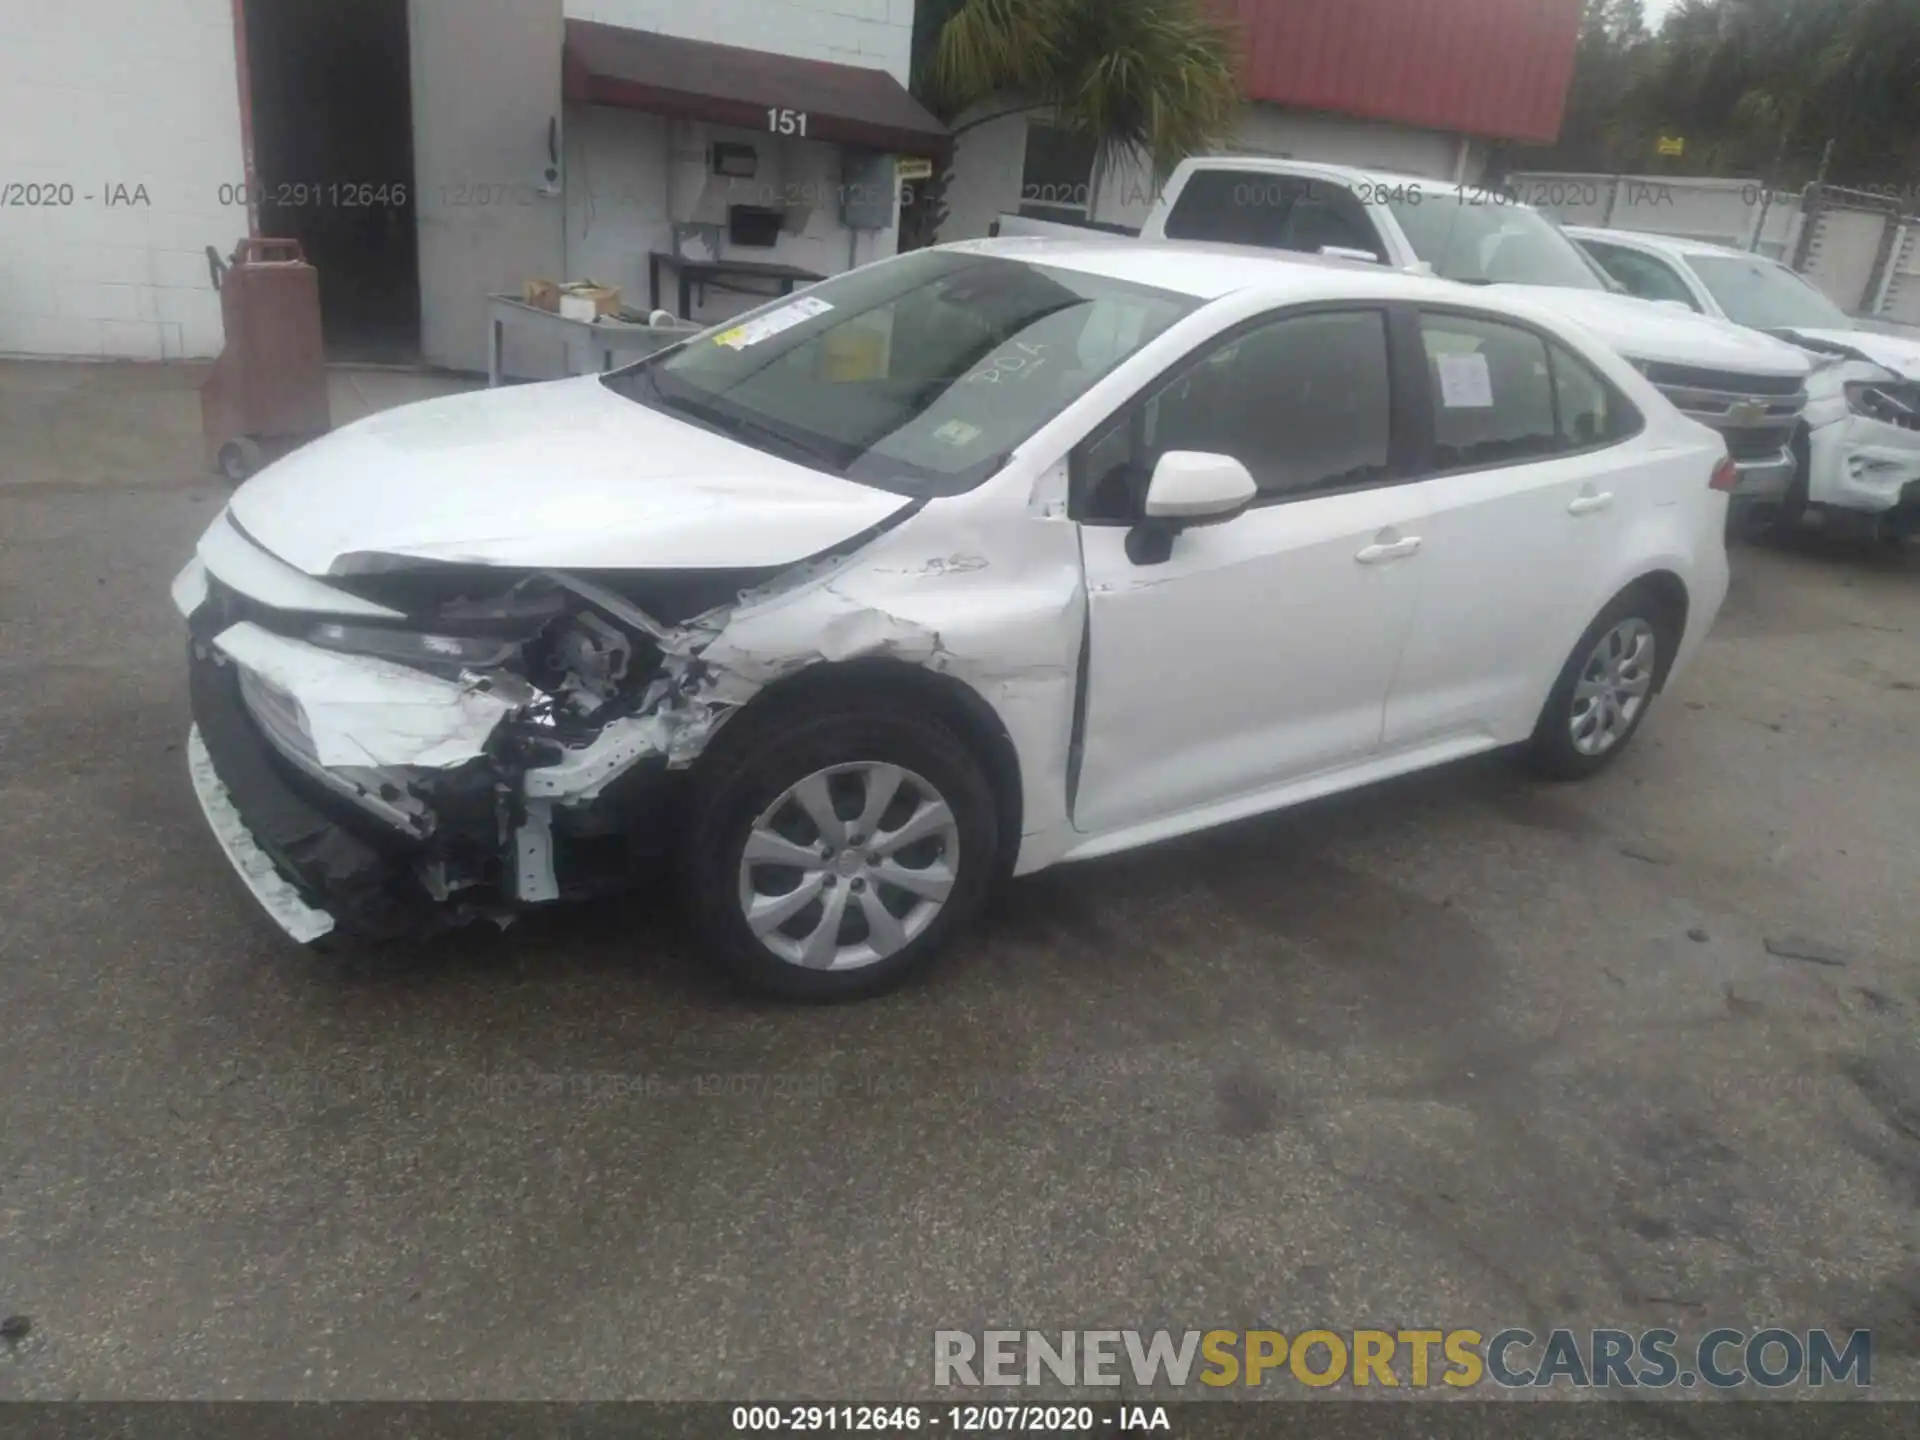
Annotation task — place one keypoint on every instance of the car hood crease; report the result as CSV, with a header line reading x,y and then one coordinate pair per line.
x,y
564,475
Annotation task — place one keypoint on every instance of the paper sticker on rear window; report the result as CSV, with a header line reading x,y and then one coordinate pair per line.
x,y
1465,383
765,327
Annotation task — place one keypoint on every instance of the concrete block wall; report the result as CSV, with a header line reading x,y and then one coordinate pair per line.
x,y
874,34
140,94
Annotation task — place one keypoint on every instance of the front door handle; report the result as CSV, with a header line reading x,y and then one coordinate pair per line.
x,y
1397,550
1589,504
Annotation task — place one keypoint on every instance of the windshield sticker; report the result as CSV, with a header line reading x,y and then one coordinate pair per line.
x,y
957,432
773,323
1015,363
1465,382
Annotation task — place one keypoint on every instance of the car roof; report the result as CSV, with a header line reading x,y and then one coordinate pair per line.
x,y
1672,244
1207,272
1350,174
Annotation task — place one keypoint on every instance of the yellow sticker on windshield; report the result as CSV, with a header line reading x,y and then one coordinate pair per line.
x,y
957,432
774,322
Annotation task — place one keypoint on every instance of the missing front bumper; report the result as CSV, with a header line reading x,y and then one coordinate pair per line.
x,y
293,841
320,858
278,895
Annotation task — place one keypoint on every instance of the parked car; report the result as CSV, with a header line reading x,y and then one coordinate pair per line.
x,y
1858,447
960,565
1748,387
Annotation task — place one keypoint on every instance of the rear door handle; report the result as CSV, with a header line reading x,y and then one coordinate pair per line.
x,y
1589,504
1397,550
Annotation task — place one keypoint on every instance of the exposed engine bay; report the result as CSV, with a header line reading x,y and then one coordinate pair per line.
x,y
417,745
514,738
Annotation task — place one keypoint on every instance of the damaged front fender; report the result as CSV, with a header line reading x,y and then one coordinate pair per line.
x,y
479,793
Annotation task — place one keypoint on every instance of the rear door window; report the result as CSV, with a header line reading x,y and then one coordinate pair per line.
x,y
1503,395
1492,393
1590,411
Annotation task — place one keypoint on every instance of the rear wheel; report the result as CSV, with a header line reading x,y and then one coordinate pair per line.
x,y
831,858
1605,689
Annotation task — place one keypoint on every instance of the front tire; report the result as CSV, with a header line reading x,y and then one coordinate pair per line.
x,y
831,856
1605,689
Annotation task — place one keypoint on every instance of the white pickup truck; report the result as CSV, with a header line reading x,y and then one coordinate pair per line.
x,y
1748,386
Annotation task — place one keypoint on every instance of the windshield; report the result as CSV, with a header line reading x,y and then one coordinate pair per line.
x,y
918,375
1759,293
1484,238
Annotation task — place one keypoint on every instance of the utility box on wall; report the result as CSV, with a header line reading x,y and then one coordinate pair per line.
x,y
869,190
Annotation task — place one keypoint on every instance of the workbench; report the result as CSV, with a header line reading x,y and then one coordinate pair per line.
x,y
692,272
591,345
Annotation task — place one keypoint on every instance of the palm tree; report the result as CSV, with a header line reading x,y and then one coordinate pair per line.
x,y
1154,80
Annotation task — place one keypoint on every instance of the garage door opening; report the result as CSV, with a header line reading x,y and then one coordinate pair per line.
x,y
331,84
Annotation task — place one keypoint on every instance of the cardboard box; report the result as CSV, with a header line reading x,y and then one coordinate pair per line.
x,y
577,300
588,301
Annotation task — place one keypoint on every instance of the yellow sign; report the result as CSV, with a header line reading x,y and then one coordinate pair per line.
x,y
913,167
1672,145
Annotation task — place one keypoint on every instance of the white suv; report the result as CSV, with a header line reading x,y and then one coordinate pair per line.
x,y
1858,446
963,564
1747,386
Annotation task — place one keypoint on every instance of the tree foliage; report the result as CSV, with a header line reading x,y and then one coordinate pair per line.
x,y
1755,87
1153,79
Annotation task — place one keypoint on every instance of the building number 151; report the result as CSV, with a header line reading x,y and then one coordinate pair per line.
x,y
787,122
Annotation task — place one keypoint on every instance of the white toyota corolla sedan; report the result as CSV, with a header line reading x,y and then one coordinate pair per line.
x,y
954,567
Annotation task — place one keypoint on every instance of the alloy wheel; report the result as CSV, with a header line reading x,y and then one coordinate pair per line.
x,y
1614,686
849,866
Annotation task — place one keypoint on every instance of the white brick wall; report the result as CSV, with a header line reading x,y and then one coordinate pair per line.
x,y
876,34
97,95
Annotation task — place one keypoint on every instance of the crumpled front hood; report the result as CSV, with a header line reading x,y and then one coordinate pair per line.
x,y
1898,355
1667,334
566,475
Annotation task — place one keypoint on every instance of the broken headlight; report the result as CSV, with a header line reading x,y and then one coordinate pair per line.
x,y
438,654
1891,404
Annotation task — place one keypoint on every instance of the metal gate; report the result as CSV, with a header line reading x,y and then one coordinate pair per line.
x,y
1849,245
1899,297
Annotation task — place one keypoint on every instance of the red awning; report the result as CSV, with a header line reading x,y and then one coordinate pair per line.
x,y
1498,68
748,89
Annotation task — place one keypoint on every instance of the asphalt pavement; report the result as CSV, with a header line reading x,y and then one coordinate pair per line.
x,y
1464,1050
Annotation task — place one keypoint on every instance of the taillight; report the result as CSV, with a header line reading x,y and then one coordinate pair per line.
x,y
1726,476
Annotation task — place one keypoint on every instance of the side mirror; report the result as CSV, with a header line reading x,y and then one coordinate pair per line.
x,y
1347,252
1188,488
